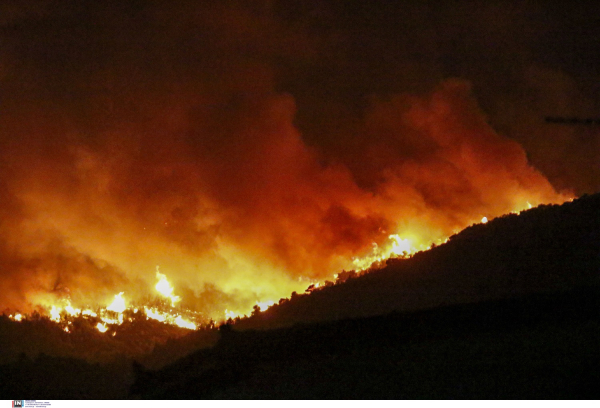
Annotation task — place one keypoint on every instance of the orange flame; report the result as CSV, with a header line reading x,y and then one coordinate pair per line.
x,y
117,305
164,287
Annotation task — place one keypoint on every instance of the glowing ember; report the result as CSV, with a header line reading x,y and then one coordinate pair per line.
x,y
101,327
484,220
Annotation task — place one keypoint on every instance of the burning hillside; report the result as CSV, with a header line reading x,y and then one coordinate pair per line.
x,y
168,166
252,218
115,314
547,249
154,146
541,263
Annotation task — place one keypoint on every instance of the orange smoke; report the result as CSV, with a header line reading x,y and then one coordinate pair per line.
x,y
234,206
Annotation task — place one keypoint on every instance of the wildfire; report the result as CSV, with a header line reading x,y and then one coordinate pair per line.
x,y
230,314
55,314
262,306
400,246
17,317
165,317
63,312
395,246
120,309
405,247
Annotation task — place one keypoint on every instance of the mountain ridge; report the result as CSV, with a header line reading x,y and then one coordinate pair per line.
x,y
547,248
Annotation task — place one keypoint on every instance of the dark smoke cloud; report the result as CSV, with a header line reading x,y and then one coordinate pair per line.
x,y
247,149
526,61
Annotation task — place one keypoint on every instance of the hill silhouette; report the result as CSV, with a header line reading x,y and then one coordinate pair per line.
x,y
546,249
507,309
535,347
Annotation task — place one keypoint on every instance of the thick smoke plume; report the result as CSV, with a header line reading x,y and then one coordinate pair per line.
x,y
134,136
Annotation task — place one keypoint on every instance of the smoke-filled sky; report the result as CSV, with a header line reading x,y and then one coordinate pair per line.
x,y
249,147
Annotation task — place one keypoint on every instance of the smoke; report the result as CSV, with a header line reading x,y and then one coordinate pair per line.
x,y
134,136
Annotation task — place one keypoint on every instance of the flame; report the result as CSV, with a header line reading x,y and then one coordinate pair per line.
x,y
55,313
155,314
181,322
400,246
118,304
164,287
395,246
63,312
165,317
231,314
89,312
262,306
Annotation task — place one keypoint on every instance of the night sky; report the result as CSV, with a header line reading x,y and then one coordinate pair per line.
x,y
249,147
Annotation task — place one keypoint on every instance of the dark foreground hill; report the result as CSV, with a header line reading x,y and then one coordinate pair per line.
x,y
539,346
514,312
38,360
